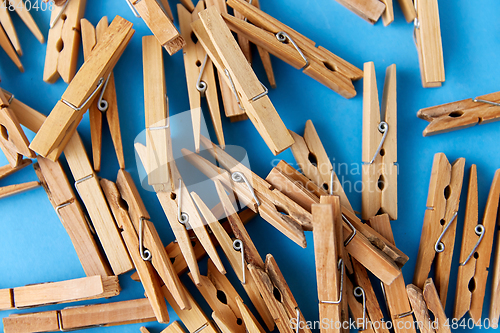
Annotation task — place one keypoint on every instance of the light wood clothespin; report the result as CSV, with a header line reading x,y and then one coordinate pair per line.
x,y
13,140
9,49
264,55
106,103
370,10
200,76
91,194
439,227
63,42
427,301
159,23
76,290
222,48
395,295
151,246
231,106
358,307
315,163
82,90
284,309
330,266
145,269
194,318
238,252
380,172
427,37
221,297
63,199
293,48
462,114
73,318
275,207
475,253
180,210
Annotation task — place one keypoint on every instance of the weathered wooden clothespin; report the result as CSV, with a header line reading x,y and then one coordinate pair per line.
x,y
225,53
63,42
200,76
106,103
439,227
462,114
427,37
380,172
82,90
293,48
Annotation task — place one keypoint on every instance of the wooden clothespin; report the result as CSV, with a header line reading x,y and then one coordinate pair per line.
x,y
159,24
232,107
75,318
371,249
175,327
293,48
380,172
427,301
239,252
222,48
275,207
315,163
395,295
475,253
330,266
264,55
221,297
106,103
145,269
151,248
82,90
251,323
10,48
200,76
194,318
284,309
13,140
76,290
462,114
438,231
427,37
357,307
181,212
24,14
370,10
63,42
71,215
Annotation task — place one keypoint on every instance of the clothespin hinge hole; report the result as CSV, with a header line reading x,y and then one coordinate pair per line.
x,y
193,243
172,260
221,296
313,159
456,114
198,63
381,182
282,210
277,295
330,67
173,196
472,285
63,17
447,192
382,152
442,221
123,204
239,321
194,38
4,132
59,45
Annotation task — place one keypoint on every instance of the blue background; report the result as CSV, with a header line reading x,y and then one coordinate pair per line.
x,y
35,248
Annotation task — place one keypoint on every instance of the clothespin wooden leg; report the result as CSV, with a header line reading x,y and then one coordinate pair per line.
x,y
24,14
9,49
6,22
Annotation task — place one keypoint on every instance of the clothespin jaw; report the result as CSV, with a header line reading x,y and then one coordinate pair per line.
x,y
425,301
24,14
159,24
221,47
379,145
106,103
438,230
319,63
475,254
462,114
151,247
427,37
9,49
82,90
144,268
330,266
64,30
200,76
13,140
17,188
313,160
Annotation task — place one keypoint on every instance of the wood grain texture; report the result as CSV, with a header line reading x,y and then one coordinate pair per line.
x,y
370,10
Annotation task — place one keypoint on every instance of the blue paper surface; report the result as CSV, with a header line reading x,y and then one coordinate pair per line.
x,y
35,248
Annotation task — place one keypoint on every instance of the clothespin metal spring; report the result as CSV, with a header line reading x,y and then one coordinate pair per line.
x,y
479,230
477,100
202,85
439,246
240,177
145,253
132,8
283,37
360,292
238,246
102,104
54,21
79,108
253,99
352,228
341,268
383,128
182,217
